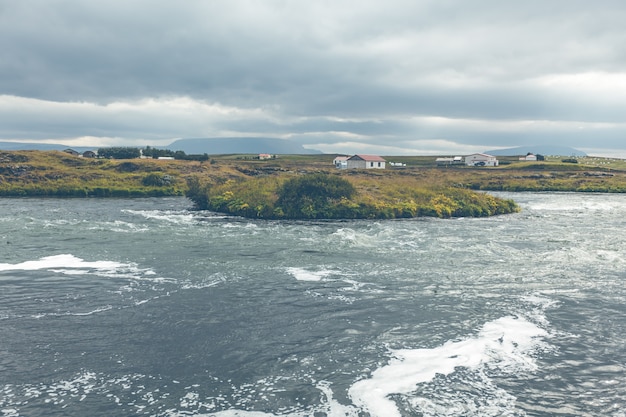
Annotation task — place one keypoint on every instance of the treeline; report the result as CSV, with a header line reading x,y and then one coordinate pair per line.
x,y
327,196
124,152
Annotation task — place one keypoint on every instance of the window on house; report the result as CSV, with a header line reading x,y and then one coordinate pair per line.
x,y
371,164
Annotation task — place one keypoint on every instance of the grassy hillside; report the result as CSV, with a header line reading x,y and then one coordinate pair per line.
x,y
53,173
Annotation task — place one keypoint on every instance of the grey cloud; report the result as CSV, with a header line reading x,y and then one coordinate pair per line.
x,y
315,63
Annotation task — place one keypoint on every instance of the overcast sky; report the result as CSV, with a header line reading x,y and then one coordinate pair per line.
x,y
349,76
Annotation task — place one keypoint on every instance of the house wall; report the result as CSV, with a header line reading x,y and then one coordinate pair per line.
x,y
361,164
356,163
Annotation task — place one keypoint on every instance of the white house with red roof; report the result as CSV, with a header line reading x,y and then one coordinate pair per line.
x,y
366,162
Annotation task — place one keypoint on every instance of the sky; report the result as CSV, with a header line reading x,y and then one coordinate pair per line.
x,y
392,77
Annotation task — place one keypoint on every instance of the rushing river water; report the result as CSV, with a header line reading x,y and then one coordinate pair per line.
x,y
143,307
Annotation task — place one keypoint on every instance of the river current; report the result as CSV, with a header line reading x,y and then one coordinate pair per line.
x,y
143,307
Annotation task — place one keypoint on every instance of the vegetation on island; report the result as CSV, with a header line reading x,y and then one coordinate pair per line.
x,y
332,196
304,186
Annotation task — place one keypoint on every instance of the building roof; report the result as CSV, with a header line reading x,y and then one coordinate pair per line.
x,y
369,158
482,154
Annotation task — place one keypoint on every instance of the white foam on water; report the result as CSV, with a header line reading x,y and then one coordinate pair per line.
x,y
505,343
131,278
302,274
595,202
332,407
202,284
329,407
118,226
240,225
68,264
351,237
87,313
175,217
60,261
343,288
239,413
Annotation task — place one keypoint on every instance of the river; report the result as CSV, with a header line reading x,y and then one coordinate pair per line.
x,y
143,307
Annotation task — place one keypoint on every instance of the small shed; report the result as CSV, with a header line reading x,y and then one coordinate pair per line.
x,y
71,152
341,162
89,154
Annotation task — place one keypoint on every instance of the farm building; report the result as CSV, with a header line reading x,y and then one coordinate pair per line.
x,y
481,159
341,162
529,157
443,161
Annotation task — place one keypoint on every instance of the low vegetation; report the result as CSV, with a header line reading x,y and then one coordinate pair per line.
x,y
333,196
57,174
306,186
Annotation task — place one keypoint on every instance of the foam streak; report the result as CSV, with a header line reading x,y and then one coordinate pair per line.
x,y
506,341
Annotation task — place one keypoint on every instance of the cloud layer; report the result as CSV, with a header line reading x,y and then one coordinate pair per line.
x,y
393,77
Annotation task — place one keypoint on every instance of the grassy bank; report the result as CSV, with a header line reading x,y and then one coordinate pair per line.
x,y
57,174
241,184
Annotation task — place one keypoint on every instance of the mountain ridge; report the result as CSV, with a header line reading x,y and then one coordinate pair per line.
x,y
537,149
212,146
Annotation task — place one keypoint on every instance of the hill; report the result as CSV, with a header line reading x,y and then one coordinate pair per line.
x,y
211,146
537,149
36,146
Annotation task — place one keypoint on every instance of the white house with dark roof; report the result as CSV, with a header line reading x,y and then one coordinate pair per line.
x,y
366,162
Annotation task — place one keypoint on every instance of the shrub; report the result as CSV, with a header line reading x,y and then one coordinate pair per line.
x,y
313,196
156,180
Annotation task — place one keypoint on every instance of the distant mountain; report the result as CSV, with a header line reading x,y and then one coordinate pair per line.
x,y
212,146
34,146
538,149
215,146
